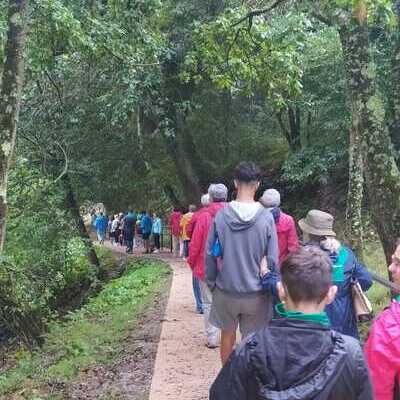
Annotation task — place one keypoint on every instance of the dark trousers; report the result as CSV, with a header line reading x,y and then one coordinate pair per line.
x,y
157,241
186,248
129,245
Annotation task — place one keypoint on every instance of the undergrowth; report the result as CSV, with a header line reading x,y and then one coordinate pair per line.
x,y
94,334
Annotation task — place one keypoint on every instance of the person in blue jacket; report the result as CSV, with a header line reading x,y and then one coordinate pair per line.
x,y
146,224
318,231
101,227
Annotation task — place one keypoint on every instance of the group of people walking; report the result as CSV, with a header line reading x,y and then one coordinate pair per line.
x,y
131,229
292,302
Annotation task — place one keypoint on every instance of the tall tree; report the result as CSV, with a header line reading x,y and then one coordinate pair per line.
x,y
382,176
10,98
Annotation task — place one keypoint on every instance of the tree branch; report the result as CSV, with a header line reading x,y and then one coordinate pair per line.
x,y
258,12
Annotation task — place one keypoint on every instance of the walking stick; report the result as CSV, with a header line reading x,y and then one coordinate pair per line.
x,y
385,282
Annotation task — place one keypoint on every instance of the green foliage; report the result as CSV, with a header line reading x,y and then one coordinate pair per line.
x,y
93,335
311,167
43,257
258,58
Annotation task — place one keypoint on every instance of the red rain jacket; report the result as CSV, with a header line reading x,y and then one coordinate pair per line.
x,y
197,246
383,352
192,223
174,223
287,236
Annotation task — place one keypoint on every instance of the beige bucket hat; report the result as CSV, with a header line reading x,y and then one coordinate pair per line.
x,y
318,223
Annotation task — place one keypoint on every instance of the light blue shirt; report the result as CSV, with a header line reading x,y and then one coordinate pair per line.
x,y
157,226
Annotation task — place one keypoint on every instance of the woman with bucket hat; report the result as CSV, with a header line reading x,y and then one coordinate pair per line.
x,y
317,228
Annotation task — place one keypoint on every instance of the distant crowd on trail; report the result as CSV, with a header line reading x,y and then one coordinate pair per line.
x,y
296,304
130,230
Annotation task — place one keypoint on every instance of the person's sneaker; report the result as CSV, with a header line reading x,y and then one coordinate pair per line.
x,y
211,345
199,311
156,251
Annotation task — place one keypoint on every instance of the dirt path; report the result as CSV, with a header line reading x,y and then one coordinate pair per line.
x,y
184,367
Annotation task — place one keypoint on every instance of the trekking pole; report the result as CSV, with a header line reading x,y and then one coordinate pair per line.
x,y
385,282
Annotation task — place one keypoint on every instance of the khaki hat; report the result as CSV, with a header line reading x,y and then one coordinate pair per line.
x,y
318,223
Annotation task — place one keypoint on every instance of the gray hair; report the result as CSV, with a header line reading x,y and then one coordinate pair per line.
x,y
271,198
205,200
218,192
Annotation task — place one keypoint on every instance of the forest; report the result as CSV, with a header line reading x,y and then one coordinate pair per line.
x,y
144,103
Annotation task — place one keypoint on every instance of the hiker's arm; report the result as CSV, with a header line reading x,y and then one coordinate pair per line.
x,y
196,244
211,267
272,251
233,380
362,275
363,380
270,279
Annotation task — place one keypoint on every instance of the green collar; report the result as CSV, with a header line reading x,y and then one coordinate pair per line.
x,y
320,318
397,298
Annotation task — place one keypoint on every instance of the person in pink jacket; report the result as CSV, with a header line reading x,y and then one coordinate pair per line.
x,y
197,252
383,345
285,225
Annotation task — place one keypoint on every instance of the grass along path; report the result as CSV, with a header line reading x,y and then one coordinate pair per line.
x,y
94,335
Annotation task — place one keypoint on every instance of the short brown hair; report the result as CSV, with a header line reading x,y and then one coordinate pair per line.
x,y
307,274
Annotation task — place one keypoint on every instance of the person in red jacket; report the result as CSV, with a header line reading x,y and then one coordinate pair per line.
x,y
383,345
197,251
288,241
205,202
174,223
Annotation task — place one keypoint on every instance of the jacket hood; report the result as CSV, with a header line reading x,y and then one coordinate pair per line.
x,y
285,375
236,222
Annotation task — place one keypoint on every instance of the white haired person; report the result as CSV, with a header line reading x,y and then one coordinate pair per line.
x,y
285,225
197,255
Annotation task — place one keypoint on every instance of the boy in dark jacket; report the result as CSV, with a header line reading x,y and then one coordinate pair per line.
x,y
297,356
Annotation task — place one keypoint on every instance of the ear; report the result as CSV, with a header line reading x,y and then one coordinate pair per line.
x,y
331,294
281,292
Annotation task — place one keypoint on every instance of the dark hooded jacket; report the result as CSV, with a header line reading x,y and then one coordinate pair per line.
x,y
294,360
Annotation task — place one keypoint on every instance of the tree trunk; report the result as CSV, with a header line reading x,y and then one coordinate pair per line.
x,y
12,82
382,177
292,131
394,127
355,192
73,207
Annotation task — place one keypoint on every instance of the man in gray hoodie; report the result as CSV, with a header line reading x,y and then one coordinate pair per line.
x,y
241,235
